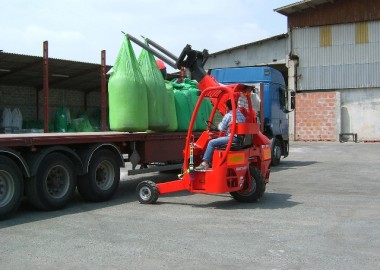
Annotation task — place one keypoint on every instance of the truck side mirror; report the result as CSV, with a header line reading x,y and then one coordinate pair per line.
x,y
292,100
287,99
283,98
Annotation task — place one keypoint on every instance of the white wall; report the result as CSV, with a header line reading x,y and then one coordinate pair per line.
x,y
360,113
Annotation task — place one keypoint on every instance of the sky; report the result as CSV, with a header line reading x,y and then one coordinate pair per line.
x,y
79,30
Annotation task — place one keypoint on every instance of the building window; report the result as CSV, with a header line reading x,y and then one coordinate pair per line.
x,y
325,36
361,33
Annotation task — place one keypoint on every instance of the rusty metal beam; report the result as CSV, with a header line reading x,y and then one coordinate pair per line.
x,y
45,80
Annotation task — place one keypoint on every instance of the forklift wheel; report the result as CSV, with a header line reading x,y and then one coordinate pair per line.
x,y
147,192
257,189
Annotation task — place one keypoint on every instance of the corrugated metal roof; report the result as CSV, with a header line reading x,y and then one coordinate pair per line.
x,y
300,6
27,70
277,37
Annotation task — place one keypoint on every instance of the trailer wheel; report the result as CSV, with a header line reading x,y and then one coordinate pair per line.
x,y
257,189
102,179
276,151
54,183
11,187
147,192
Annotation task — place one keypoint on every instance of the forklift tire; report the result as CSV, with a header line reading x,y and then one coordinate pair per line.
x,y
147,192
257,190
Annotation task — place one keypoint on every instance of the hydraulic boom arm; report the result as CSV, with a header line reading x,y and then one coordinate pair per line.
x,y
189,58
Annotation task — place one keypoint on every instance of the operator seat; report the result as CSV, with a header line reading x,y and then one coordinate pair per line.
x,y
244,142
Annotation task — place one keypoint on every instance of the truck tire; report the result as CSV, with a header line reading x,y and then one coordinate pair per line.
x,y
257,190
276,151
102,179
147,192
54,183
11,187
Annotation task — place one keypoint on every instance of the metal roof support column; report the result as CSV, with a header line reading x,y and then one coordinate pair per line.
x,y
37,105
46,86
104,91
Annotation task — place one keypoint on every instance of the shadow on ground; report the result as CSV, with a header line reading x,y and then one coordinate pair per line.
x,y
288,165
268,201
126,194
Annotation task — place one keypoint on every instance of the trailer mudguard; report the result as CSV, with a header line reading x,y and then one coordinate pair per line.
x,y
87,153
15,156
34,159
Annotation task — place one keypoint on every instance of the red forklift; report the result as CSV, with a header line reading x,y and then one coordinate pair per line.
x,y
243,168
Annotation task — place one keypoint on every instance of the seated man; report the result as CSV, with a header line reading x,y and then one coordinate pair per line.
x,y
224,125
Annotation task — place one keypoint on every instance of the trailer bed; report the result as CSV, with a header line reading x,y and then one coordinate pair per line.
x,y
35,139
151,146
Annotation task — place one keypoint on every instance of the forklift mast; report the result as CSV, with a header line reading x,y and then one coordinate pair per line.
x,y
191,59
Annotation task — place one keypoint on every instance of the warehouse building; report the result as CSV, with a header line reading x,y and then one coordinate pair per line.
x,y
338,47
332,57
267,52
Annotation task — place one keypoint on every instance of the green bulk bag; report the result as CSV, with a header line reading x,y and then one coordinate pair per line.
x,y
190,83
192,101
208,106
157,96
172,113
183,110
190,88
203,111
127,93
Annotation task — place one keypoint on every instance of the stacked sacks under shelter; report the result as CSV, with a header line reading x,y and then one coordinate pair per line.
x,y
127,91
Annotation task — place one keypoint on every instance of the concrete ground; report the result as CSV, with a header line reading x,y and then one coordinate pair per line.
x,y
321,210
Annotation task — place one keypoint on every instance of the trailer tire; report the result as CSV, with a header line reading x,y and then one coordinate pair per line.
x,y
257,190
147,192
11,187
54,183
102,179
276,151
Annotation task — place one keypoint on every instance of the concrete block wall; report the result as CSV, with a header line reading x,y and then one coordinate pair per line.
x,y
317,116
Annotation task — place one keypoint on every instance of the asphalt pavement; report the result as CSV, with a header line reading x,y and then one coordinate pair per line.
x,y
321,210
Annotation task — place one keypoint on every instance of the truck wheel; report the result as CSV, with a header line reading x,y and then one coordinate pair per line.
x,y
54,184
276,151
11,187
102,179
257,189
147,192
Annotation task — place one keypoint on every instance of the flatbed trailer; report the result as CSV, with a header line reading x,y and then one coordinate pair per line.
x,y
48,167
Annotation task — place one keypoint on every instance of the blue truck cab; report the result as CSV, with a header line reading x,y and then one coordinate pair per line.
x,y
277,101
